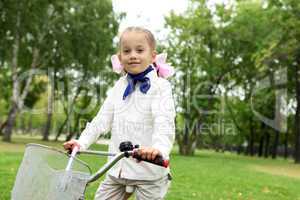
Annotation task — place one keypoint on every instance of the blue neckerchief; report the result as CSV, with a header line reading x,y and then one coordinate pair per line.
x,y
134,78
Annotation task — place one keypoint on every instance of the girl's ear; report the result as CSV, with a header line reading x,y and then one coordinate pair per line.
x,y
119,56
154,53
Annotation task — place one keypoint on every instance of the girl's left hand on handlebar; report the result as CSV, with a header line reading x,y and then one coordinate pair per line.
x,y
70,145
148,153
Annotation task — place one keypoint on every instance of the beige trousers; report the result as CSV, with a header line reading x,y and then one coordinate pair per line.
x,y
117,189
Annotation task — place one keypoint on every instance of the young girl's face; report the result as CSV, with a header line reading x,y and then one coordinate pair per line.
x,y
136,53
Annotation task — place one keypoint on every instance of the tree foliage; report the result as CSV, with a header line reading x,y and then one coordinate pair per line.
x,y
233,56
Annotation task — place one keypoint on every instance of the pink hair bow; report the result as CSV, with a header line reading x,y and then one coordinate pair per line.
x,y
164,69
116,64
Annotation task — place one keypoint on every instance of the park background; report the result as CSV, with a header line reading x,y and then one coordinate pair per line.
x,y
236,87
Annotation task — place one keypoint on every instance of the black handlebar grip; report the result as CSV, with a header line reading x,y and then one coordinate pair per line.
x,y
157,161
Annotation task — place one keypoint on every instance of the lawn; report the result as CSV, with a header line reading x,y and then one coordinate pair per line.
x,y
207,175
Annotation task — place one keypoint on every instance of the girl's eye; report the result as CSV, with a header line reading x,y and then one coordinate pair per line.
x,y
126,51
140,50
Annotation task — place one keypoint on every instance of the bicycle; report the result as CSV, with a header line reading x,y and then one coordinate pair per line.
x,y
43,175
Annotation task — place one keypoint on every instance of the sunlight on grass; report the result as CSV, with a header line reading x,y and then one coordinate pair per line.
x,y
18,144
292,171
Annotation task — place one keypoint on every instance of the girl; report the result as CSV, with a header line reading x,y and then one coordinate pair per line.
x,y
140,109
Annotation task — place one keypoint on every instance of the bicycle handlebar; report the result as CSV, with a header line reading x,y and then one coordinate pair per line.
x,y
127,150
116,157
126,147
159,160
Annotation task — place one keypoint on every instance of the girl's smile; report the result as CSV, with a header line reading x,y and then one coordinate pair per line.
x,y
136,53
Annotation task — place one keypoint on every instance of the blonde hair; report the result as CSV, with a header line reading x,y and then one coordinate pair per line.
x,y
149,35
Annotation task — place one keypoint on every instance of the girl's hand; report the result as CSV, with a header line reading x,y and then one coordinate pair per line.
x,y
148,153
70,145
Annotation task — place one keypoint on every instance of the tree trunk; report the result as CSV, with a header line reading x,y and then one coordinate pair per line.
x,y
261,146
186,140
267,145
61,128
188,144
74,129
3,126
10,123
23,125
278,121
187,147
262,140
69,111
275,145
47,128
29,126
286,144
15,93
239,149
18,97
250,148
297,116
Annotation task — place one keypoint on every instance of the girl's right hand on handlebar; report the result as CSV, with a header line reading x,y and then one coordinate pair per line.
x,y
70,145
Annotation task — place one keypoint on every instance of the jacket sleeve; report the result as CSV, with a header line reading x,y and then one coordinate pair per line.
x,y
100,124
163,113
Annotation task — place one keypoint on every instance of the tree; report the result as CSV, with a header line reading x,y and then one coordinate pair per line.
x,y
199,49
217,50
83,49
284,49
53,35
22,52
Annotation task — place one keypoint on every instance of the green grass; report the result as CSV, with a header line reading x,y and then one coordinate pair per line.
x,y
207,175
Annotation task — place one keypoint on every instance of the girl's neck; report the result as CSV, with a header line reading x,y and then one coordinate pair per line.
x,y
143,73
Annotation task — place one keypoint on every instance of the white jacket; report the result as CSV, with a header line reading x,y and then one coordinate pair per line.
x,y
144,119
